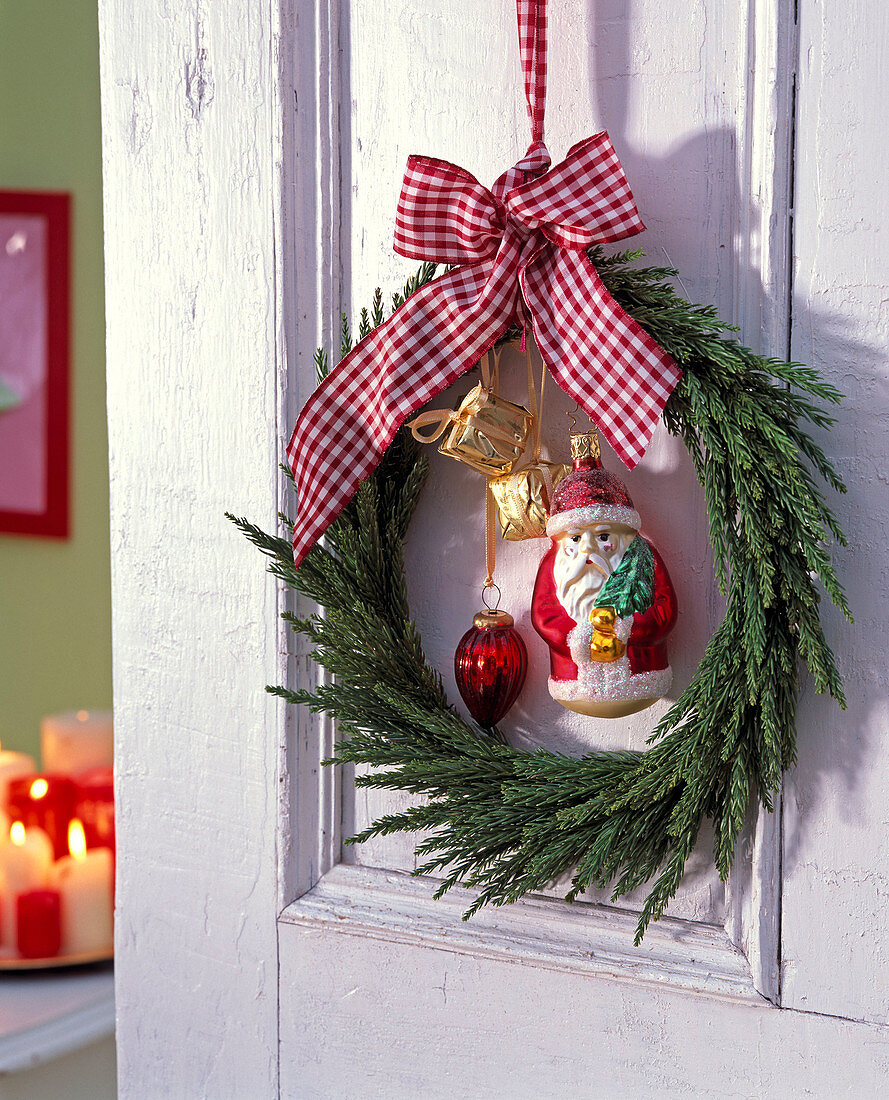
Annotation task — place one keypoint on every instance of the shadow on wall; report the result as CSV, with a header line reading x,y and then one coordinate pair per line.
x,y
833,746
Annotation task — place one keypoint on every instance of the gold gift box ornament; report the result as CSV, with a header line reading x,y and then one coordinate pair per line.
x,y
486,431
523,498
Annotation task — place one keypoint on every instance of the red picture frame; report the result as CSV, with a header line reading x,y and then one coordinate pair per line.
x,y
35,327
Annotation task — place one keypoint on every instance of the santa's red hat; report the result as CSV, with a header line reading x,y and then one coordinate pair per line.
x,y
589,494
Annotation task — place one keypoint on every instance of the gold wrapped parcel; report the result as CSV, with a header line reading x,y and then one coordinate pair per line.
x,y
486,431
523,499
489,432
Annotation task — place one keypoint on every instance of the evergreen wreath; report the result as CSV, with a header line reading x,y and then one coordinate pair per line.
x,y
505,821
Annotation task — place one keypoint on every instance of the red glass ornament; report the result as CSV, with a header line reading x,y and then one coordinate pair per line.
x,y
490,665
39,931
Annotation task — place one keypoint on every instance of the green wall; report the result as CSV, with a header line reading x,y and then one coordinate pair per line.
x,y
55,600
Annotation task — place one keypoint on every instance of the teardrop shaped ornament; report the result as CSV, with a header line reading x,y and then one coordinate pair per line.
x,y
490,665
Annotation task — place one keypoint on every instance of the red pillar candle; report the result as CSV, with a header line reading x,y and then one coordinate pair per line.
x,y
85,881
45,801
95,807
25,862
39,914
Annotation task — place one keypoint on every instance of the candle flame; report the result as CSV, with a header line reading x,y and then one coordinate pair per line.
x,y
76,839
83,716
17,833
39,788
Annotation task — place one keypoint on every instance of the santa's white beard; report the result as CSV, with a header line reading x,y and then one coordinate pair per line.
x,y
579,581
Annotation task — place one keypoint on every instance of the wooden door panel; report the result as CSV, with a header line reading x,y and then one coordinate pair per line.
x,y
670,104
393,1020
252,157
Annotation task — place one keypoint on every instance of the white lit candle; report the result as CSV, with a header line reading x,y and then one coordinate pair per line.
x,y
77,741
25,861
13,765
84,881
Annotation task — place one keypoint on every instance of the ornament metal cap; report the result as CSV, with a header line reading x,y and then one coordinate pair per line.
x,y
492,620
586,454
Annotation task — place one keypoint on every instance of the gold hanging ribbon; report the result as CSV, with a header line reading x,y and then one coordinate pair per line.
x,y
523,495
490,539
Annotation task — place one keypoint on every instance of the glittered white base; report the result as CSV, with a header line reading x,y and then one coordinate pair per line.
x,y
608,682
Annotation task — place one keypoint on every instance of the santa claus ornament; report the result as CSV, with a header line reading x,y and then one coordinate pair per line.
x,y
603,601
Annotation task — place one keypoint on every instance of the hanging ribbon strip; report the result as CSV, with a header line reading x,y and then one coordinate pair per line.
x,y
519,256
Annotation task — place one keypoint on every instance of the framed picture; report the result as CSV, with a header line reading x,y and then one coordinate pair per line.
x,y
34,362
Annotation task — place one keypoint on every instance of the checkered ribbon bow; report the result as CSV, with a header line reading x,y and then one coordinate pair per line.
x,y
519,256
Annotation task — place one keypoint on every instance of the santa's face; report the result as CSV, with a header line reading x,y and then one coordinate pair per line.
x,y
585,559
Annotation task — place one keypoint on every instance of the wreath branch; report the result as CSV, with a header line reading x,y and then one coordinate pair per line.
x,y
508,822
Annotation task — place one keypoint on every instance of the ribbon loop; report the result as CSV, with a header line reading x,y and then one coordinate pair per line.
x,y
438,419
531,18
445,215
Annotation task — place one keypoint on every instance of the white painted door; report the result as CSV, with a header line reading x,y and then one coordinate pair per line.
x,y
253,155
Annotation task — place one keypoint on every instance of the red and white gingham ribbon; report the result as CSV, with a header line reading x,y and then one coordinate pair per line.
x,y
520,255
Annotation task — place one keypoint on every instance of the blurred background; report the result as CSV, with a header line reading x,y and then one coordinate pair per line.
x,y
55,597
55,627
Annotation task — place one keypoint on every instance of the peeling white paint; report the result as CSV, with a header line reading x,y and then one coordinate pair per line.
x,y
191,267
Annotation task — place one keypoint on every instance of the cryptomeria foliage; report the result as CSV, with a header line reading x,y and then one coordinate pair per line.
x,y
630,586
505,821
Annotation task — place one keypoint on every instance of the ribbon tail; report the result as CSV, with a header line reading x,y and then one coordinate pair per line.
x,y
596,352
349,421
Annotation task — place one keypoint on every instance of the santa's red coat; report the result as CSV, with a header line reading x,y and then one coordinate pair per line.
x,y
645,648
